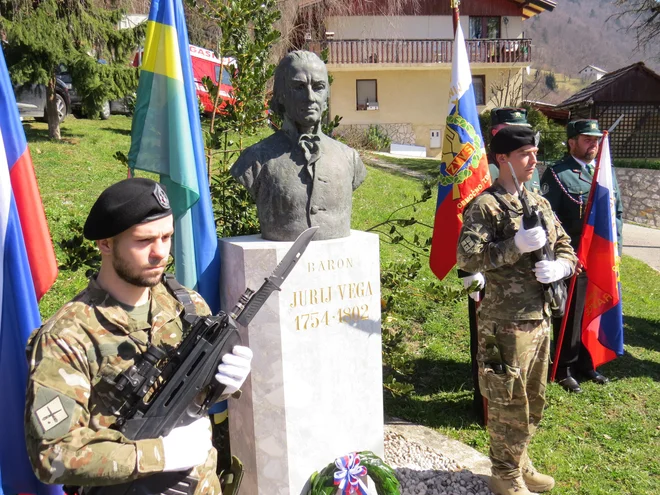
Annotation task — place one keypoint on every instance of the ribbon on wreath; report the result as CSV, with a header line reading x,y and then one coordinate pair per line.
x,y
348,473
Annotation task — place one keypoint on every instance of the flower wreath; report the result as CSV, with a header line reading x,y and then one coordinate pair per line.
x,y
344,474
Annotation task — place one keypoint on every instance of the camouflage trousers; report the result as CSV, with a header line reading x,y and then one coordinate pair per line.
x,y
516,389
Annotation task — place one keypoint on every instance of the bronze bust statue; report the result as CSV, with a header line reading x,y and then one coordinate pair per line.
x,y
299,177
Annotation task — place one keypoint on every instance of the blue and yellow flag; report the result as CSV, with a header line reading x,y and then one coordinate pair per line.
x,y
166,138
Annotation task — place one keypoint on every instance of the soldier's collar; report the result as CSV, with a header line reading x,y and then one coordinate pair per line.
x,y
164,308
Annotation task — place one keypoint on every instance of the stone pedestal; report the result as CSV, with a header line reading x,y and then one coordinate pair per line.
x,y
315,391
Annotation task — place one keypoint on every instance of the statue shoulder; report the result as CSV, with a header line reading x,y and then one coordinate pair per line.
x,y
258,154
338,145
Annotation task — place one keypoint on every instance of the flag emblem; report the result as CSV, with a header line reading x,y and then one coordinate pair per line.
x,y
462,150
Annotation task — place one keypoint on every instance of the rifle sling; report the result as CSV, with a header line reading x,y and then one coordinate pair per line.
x,y
181,294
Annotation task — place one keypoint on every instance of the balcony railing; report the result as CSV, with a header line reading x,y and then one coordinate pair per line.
x,y
422,51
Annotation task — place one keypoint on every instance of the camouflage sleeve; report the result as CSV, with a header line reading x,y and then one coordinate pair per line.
x,y
63,445
200,304
478,250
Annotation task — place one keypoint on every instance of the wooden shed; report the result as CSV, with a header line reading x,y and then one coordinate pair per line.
x,y
632,91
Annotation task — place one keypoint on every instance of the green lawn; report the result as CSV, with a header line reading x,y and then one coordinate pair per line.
x,y
605,441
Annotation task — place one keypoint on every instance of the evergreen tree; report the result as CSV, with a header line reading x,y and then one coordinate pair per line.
x,y
42,34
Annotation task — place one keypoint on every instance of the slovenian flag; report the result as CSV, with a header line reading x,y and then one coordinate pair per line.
x,y
27,270
166,138
602,323
464,167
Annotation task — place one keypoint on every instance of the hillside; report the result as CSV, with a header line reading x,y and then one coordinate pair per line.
x,y
580,33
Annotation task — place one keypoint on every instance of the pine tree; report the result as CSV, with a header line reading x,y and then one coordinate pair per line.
x,y
43,34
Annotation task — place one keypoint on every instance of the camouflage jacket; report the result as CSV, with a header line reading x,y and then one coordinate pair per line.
x,y
486,245
74,355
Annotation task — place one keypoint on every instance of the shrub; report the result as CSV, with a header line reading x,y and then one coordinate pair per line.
x,y
376,139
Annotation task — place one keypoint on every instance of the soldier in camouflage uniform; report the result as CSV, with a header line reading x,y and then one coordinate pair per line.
x,y
514,319
76,355
499,119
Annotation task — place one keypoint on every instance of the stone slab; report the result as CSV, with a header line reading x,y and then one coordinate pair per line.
x,y
315,391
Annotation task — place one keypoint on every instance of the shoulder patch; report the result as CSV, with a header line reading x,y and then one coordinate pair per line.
x,y
52,414
545,188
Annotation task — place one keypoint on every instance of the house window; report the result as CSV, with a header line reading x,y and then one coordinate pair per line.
x,y
484,27
479,87
366,94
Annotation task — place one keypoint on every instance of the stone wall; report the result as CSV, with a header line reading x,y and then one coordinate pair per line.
x,y
640,194
398,133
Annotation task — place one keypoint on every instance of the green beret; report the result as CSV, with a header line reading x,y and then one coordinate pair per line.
x,y
511,138
124,204
585,126
509,115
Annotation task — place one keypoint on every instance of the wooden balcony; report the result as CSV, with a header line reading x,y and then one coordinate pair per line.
x,y
497,51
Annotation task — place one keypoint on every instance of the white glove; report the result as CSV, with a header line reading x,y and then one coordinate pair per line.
x,y
471,279
235,368
530,240
550,271
187,446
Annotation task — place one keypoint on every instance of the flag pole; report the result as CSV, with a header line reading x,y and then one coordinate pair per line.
x,y
480,403
569,297
454,7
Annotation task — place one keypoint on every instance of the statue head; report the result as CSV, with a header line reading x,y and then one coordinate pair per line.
x,y
300,89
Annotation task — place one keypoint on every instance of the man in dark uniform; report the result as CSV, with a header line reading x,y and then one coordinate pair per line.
x,y
500,118
566,186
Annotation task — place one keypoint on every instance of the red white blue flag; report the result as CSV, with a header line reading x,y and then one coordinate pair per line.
x,y
464,167
27,270
602,323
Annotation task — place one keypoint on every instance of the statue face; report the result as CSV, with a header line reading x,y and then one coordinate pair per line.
x,y
306,92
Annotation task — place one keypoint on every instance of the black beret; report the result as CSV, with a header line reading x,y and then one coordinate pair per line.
x,y
124,204
511,138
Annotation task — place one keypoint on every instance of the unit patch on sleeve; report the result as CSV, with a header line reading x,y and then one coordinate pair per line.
x,y
52,414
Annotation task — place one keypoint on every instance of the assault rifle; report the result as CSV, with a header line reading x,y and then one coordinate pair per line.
x,y
184,379
554,293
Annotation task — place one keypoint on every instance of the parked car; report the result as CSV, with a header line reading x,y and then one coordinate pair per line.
x,y
76,99
32,100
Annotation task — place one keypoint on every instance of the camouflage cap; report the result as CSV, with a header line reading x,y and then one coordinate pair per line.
x,y
587,127
124,204
509,115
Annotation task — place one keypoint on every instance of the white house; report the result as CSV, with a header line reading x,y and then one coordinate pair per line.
x,y
394,70
591,73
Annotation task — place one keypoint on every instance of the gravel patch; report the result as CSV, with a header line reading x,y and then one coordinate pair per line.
x,y
425,471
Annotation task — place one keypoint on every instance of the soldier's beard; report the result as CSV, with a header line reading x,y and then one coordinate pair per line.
x,y
132,275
